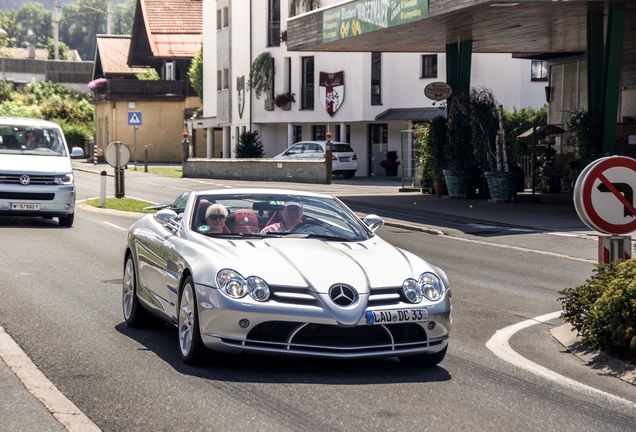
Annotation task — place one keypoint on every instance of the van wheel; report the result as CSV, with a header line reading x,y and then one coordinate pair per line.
x,y
66,221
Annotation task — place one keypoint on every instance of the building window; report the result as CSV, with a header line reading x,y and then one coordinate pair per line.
x,y
429,66
298,133
273,23
219,80
539,70
319,133
307,85
376,78
226,78
226,17
219,23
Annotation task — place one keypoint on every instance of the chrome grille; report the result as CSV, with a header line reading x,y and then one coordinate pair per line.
x,y
35,179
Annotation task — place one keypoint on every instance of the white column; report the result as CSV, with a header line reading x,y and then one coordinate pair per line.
x,y
290,134
343,132
209,141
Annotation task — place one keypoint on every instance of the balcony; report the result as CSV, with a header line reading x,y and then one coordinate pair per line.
x,y
137,89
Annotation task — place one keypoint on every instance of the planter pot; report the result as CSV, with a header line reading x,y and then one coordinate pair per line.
x,y
441,189
502,185
286,106
391,171
269,104
458,183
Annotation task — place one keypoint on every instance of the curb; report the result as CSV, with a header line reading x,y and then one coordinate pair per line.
x,y
598,360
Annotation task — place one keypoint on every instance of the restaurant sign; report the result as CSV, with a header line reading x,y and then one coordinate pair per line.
x,y
364,16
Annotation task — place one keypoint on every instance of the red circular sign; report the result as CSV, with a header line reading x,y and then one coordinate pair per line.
x,y
608,192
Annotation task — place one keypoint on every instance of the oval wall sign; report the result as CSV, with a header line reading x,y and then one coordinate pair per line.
x,y
438,91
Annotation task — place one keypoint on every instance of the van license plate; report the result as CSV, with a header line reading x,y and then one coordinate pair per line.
x,y
395,316
24,206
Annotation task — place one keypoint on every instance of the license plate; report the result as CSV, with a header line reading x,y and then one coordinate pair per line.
x,y
395,316
345,158
24,206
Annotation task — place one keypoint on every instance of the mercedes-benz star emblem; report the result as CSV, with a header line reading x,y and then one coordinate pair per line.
x,y
343,295
25,180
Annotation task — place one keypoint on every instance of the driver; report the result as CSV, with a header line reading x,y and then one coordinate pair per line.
x,y
292,215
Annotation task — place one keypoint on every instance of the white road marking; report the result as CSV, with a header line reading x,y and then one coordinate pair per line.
x,y
114,226
34,380
499,345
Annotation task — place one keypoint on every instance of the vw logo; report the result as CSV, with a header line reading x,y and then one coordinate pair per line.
x,y
24,179
343,295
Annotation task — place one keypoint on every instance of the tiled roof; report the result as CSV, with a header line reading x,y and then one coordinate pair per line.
x,y
174,27
113,55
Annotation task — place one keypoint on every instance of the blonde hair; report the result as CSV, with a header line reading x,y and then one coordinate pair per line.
x,y
216,209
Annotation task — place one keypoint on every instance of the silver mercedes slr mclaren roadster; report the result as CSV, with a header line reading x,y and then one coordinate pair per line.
x,y
282,272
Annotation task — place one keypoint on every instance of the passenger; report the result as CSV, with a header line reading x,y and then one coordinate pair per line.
x,y
292,215
215,217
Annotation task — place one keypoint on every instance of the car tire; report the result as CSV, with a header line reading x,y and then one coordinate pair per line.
x,y
426,360
349,174
66,221
190,344
134,313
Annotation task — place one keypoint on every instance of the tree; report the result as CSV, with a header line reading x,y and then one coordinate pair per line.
x,y
32,16
195,73
249,146
62,50
262,74
295,6
8,24
80,23
122,19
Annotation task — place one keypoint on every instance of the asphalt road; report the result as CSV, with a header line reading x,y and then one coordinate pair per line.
x,y
61,301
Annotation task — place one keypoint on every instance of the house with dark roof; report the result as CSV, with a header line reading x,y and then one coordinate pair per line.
x,y
166,35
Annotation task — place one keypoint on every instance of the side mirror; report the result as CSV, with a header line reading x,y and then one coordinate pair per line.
x,y
373,222
77,153
165,216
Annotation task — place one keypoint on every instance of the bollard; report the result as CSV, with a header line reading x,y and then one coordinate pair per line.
x,y
102,190
95,154
185,145
329,158
146,158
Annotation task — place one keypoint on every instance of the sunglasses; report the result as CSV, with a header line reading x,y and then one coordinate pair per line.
x,y
216,217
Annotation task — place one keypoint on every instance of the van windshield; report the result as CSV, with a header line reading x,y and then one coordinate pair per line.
x,y
40,141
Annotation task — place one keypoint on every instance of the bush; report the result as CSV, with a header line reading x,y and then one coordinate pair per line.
x,y
603,309
249,146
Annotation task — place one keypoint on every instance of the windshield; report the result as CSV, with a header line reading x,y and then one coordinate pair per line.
x,y
276,215
25,140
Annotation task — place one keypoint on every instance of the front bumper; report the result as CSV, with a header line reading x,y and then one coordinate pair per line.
x,y
53,200
308,330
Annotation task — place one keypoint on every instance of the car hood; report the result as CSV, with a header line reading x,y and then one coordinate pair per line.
x,y
318,264
32,164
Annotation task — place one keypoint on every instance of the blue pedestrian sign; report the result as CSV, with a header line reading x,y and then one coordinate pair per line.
x,y
134,118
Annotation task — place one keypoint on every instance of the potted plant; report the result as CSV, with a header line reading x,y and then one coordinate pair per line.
x,y
391,163
459,153
284,100
434,139
283,36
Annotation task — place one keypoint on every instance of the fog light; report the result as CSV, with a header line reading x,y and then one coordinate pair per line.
x,y
431,325
244,323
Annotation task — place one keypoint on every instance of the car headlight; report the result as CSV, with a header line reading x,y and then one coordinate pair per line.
x,y
412,291
432,288
65,179
427,286
235,286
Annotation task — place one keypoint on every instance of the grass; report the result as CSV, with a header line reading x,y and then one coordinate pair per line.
x,y
123,204
174,172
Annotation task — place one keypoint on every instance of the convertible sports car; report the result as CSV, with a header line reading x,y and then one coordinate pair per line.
x,y
328,287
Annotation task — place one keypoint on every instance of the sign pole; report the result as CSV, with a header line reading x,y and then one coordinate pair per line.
x,y
135,145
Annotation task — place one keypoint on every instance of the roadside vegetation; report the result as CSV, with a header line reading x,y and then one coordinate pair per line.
x,y
122,204
603,309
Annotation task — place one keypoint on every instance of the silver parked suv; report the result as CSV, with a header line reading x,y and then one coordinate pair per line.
x,y
36,175
345,161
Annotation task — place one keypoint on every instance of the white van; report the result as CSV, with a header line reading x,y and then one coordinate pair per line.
x,y
36,175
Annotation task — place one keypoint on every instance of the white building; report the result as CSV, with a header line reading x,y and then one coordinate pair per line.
x,y
381,93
